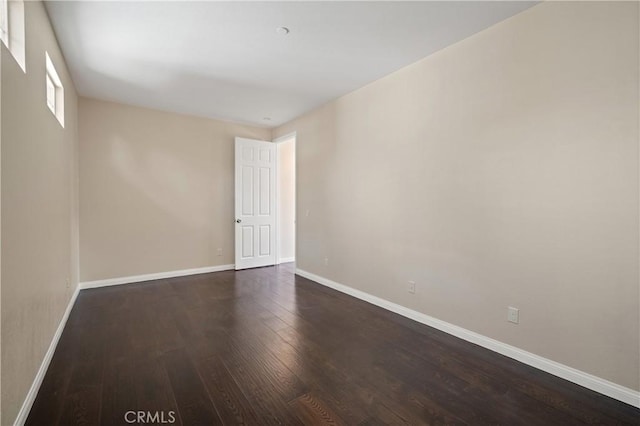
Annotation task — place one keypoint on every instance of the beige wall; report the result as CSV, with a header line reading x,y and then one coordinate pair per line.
x,y
39,210
286,196
501,171
156,190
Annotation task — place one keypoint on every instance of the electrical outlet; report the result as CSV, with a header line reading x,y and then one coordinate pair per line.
x,y
412,287
513,315
326,261
307,213
68,282
219,252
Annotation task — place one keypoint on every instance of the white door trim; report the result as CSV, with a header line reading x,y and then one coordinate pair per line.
x,y
280,139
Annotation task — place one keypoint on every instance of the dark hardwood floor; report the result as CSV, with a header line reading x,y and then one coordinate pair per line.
x,y
264,346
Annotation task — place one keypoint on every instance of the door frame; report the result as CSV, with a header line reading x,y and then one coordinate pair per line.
x,y
286,138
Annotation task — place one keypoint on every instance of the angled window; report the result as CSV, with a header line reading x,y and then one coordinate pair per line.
x,y
4,22
51,94
54,90
12,31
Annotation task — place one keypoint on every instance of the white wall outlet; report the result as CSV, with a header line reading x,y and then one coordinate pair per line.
x,y
307,213
411,288
513,315
326,261
68,282
219,252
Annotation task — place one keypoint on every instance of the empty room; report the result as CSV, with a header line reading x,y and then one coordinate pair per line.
x,y
319,212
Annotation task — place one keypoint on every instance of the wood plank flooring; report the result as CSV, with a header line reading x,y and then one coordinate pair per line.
x,y
266,347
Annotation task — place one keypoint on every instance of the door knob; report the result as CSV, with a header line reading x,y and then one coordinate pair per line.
x,y
238,220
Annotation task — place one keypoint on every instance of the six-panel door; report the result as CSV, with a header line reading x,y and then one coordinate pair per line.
x,y
255,183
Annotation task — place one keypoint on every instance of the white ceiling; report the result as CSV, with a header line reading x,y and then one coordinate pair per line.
x,y
225,60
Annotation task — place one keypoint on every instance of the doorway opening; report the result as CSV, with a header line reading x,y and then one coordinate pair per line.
x,y
286,199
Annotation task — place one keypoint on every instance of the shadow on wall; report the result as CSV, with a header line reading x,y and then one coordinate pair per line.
x,y
165,181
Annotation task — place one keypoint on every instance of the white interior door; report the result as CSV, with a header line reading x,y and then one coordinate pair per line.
x,y
255,203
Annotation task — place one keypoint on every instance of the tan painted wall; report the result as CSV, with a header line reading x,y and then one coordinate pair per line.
x,y
156,190
39,220
286,193
501,171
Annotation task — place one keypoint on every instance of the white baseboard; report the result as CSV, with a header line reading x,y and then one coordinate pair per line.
x,y
157,276
287,259
37,382
581,378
